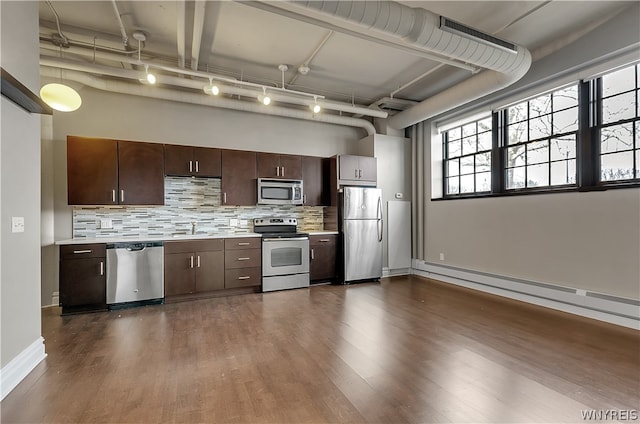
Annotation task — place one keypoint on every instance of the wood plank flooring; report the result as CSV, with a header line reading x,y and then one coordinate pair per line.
x,y
405,350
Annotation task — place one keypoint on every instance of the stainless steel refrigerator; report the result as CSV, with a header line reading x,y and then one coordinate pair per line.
x,y
360,219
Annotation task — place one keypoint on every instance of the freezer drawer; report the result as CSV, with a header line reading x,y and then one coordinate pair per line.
x,y
362,250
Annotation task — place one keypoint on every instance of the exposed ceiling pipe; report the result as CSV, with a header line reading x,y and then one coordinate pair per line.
x,y
198,26
125,37
421,28
180,32
276,94
183,97
305,65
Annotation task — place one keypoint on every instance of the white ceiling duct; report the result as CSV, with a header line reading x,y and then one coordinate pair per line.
x,y
505,62
137,89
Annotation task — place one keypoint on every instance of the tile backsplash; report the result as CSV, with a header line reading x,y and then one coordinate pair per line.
x,y
187,200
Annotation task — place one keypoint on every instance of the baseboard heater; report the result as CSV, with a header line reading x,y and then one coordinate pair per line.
x,y
604,307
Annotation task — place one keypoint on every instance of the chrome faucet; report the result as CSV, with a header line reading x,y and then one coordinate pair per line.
x,y
193,227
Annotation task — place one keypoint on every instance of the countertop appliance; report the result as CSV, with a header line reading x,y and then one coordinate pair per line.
x,y
360,224
279,192
285,254
135,273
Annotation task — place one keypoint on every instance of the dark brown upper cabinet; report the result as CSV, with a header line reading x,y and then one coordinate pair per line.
x,y
239,178
274,165
312,177
112,172
187,161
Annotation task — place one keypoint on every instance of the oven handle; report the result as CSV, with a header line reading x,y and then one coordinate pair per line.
x,y
285,239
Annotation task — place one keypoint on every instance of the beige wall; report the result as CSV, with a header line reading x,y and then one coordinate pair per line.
x,y
20,186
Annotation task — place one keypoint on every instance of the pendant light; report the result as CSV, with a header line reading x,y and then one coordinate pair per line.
x,y
59,96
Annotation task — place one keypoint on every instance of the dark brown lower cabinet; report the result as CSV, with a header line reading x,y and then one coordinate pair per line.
x,y
322,260
192,267
83,281
243,262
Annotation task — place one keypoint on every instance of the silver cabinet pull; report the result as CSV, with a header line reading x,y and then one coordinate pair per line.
x,y
191,262
360,173
198,262
277,171
243,243
197,166
82,251
304,199
324,240
282,172
190,166
224,198
122,195
244,277
101,268
356,171
113,196
243,259
312,255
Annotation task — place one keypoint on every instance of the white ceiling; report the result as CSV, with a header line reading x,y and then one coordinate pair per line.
x,y
245,42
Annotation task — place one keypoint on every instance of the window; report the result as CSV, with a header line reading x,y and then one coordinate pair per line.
x,y
541,140
467,150
619,125
585,136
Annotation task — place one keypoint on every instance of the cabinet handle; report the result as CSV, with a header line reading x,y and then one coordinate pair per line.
x,y
113,196
324,240
190,166
224,198
360,173
243,259
191,261
198,262
243,243
244,277
312,255
101,268
122,195
304,199
82,251
197,166
277,171
282,172
356,171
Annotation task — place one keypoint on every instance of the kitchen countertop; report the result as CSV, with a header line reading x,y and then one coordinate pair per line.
x,y
137,239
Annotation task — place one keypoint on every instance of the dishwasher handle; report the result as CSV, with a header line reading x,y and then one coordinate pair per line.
x,y
136,247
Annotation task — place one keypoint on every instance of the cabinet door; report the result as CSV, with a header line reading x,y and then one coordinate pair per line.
x,y
206,162
268,165
348,167
209,271
243,277
92,171
239,185
177,160
369,169
290,167
179,274
83,282
312,180
141,173
322,265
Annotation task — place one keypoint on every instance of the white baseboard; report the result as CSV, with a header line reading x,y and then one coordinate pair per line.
x,y
55,299
612,309
386,272
20,366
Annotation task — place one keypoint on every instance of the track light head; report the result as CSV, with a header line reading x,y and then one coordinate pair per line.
x,y
212,90
264,99
150,78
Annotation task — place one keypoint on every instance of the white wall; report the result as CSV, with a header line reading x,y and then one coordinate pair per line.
x,y
20,191
588,240
110,115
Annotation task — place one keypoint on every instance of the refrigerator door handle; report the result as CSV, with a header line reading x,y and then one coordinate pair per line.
x,y
380,222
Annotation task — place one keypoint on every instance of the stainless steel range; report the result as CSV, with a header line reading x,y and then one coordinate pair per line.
x,y
285,254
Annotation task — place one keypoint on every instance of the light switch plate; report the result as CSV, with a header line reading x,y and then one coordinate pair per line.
x,y
106,223
233,222
17,224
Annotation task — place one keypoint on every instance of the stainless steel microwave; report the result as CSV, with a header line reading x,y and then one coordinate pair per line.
x,y
279,192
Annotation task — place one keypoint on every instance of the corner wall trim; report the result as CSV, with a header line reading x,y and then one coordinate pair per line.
x,y
20,366
603,307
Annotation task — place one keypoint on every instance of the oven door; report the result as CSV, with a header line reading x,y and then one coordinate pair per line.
x,y
285,256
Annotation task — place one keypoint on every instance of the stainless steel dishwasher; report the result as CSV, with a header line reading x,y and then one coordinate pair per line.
x,y
135,272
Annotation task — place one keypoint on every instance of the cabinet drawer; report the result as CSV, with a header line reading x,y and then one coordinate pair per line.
x,y
245,258
78,251
242,243
328,240
242,277
193,246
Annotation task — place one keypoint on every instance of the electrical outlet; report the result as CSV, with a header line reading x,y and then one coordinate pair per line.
x,y
399,195
106,223
17,224
233,222
442,256
581,292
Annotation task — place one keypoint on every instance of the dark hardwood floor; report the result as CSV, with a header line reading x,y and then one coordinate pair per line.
x,y
407,349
